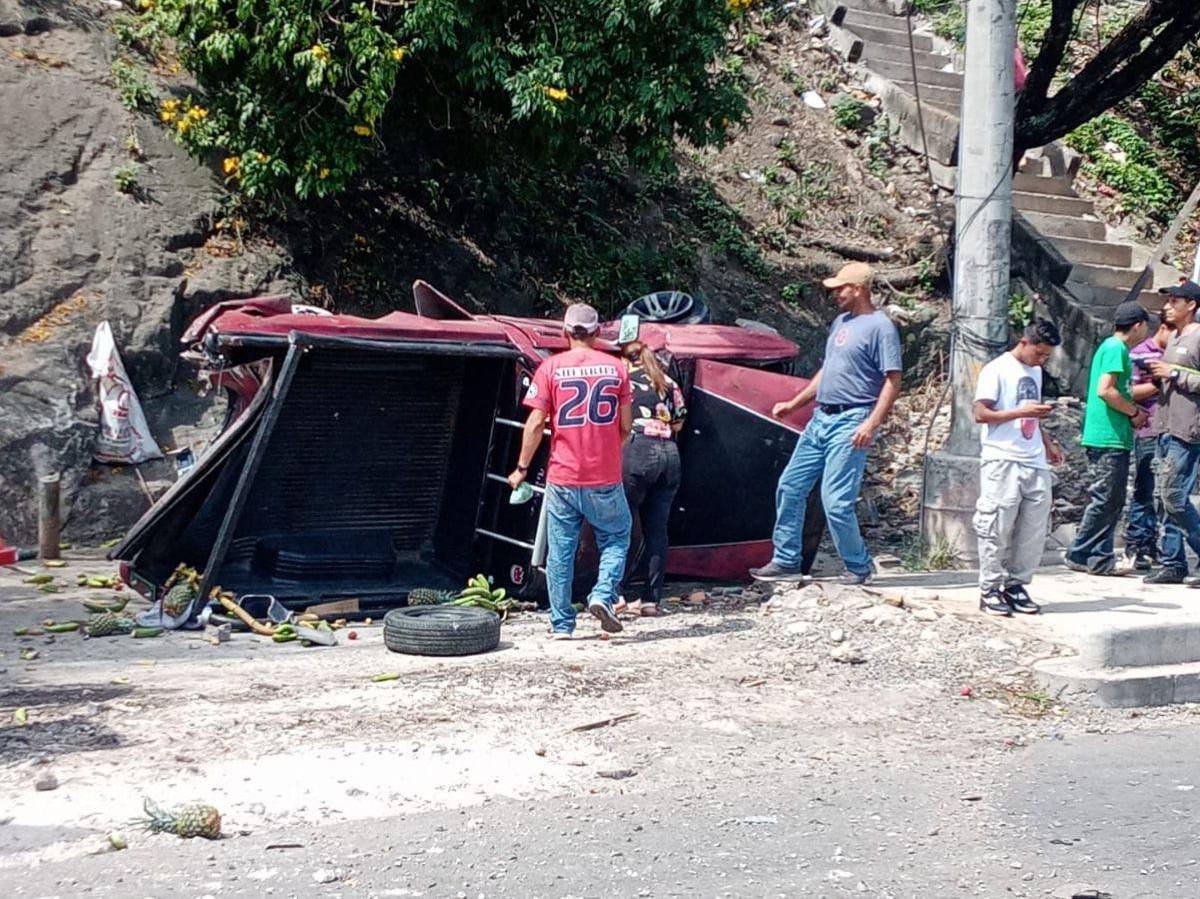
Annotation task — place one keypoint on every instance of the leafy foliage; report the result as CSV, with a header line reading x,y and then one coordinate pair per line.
x,y
1118,155
131,82
125,178
301,94
850,113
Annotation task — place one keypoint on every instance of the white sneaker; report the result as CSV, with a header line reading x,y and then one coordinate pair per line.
x,y
561,635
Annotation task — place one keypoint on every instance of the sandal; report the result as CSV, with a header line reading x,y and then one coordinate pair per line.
x,y
650,610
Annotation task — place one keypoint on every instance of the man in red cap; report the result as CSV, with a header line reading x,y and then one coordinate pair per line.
x,y
855,389
585,396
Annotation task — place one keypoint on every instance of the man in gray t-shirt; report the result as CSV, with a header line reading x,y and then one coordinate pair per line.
x,y
854,390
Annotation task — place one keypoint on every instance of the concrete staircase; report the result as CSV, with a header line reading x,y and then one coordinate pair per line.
x,y
1061,248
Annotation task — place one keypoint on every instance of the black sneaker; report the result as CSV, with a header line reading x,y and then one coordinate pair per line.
x,y
773,571
1143,562
1019,600
1166,575
993,602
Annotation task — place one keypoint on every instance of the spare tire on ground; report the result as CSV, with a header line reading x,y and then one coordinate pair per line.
x,y
441,630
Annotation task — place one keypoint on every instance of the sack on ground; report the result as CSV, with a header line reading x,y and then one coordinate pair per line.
x,y
124,436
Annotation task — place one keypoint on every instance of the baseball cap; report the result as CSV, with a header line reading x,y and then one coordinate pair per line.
x,y
581,317
1188,290
852,273
1130,313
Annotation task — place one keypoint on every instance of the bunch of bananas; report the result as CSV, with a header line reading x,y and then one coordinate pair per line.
x,y
479,593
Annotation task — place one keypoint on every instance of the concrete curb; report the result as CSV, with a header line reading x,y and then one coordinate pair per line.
x,y
1119,687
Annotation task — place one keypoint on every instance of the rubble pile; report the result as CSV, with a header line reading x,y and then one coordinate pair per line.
x,y
885,636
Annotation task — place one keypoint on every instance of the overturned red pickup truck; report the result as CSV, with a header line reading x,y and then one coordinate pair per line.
x,y
367,457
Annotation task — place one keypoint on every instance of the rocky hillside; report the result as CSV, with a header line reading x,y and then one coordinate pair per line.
x,y
103,217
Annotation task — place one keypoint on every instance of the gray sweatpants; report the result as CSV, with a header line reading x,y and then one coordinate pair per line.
x,y
1012,519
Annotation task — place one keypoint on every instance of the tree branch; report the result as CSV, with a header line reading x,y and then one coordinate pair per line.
x,y
1115,73
1049,58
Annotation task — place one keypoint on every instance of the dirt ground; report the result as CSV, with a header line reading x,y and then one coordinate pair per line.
x,y
824,679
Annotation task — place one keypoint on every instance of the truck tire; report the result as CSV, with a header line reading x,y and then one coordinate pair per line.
x,y
441,630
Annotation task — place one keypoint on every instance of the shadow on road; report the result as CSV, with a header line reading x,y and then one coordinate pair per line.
x,y
59,694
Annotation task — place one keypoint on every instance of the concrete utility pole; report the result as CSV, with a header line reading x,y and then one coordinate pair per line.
x,y
983,223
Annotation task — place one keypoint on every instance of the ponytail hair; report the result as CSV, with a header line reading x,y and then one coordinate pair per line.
x,y
654,371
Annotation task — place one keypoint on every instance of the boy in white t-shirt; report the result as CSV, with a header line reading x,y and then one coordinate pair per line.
x,y
1012,516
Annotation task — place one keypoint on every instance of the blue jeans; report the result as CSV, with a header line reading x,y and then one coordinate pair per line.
x,y
1108,479
567,508
823,452
1177,464
1141,532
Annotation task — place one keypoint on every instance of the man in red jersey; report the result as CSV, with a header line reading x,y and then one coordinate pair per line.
x,y
584,394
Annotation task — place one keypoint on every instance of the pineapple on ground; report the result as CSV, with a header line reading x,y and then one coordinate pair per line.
x,y
427,596
192,820
107,624
182,589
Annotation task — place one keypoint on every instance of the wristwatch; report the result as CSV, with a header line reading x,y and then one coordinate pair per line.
x,y
524,469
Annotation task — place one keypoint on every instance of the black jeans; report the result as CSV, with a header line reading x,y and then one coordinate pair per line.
x,y
1108,475
651,475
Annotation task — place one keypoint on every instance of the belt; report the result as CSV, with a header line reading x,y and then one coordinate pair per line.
x,y
839,408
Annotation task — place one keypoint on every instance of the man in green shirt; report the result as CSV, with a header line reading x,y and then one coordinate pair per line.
x,y
1109,420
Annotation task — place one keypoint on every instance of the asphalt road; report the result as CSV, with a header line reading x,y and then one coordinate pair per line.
x,y
1109,813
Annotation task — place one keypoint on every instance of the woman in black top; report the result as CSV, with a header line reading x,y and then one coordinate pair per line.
x,y
651,470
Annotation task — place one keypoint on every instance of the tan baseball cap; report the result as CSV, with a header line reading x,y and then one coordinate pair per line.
x,y
858,273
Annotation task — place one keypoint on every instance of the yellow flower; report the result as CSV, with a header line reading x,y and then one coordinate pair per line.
x,y
399,53
231,165
262,157
363,130
323,174
183,125
145,4
738,6
197,113
168,110
557,94
320,52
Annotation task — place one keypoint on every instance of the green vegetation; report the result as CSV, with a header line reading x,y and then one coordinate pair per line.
x,y
940,555
301,95
126,178
850,113
1020,311
1119,156
134,87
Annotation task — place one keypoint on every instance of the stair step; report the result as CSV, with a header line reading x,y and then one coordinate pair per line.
x,y
1105,275
896,53
1052,204
1097,252
891,37
1038,184
902,71
881,7
1107,298
946,97
1066,226
887,21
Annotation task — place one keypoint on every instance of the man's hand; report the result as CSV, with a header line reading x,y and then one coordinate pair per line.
x,y
1035,410
1160,369
863,435
1140,419
1054,453
515,479
784,408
